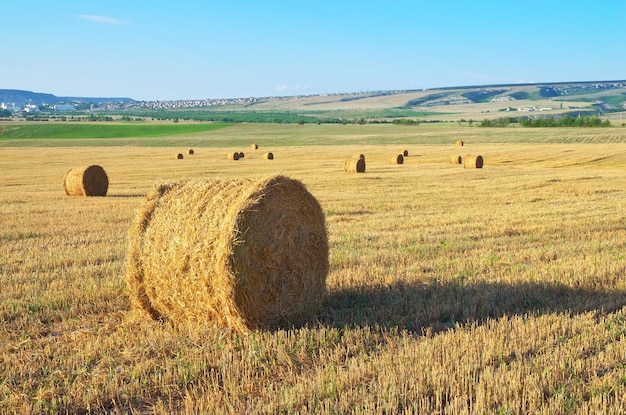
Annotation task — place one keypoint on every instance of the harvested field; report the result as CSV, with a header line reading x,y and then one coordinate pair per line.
x,y
515,305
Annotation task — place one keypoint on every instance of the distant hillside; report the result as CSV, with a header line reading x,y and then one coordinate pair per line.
x,y
20,97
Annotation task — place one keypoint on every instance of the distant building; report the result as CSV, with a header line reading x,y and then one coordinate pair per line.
x,y
64,107
10,107
31,108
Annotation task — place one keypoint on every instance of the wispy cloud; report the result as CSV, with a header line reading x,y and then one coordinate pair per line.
x,y
287,87
102,19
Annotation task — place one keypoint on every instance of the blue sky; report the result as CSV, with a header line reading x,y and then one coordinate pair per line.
x,y
166,50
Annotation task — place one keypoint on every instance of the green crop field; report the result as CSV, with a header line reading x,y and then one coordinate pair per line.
x,y
499,290
13,131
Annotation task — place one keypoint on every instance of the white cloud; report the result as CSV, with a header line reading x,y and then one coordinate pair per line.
x,y
102,19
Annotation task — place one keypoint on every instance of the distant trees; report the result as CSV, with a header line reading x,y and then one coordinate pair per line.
x,y
566,121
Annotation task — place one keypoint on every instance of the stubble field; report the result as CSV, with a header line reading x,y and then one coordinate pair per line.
x,y
497,290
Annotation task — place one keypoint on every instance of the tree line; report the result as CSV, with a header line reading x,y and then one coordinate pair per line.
x,y
566,121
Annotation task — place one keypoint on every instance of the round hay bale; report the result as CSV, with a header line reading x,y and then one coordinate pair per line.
x,y
86,181
233,156
268,156
236,253
471,161
179,156
241,154
354,165
254,146
405,153
456,160
459,143
191,152
396,159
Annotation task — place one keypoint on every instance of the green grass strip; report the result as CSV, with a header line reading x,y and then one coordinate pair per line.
x,y
80,130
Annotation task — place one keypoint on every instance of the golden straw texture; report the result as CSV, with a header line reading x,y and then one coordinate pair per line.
x,y
86,181
456,160
396,159
471,161
354,165
235,253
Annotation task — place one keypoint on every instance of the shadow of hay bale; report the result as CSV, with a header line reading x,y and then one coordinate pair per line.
x,y
439,306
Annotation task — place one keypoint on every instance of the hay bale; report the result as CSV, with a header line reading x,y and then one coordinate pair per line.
x,y
86,181
456,160
179,156
254,146
459,143
233,156
268,156
354,165
396,159
471,161
191,152
241,154
405,153
236,253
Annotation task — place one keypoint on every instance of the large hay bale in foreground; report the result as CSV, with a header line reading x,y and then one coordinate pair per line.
x,y
456,160
233,156
236,253
86,181
354,165
471,161
268,156
396,159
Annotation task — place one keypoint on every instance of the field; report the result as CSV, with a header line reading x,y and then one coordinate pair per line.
x,y
499,290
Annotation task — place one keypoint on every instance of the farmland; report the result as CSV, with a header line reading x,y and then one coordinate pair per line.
x,y
493,290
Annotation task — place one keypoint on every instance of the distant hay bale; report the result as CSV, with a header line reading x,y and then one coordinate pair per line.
x,y
179,156
456,160
396,159
268,156
354,165
471,161
191,152
233,156
241,154
459,143
236,253
254,146
405,153
86,181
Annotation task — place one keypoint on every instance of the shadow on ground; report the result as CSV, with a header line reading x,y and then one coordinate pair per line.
x,y
439,306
